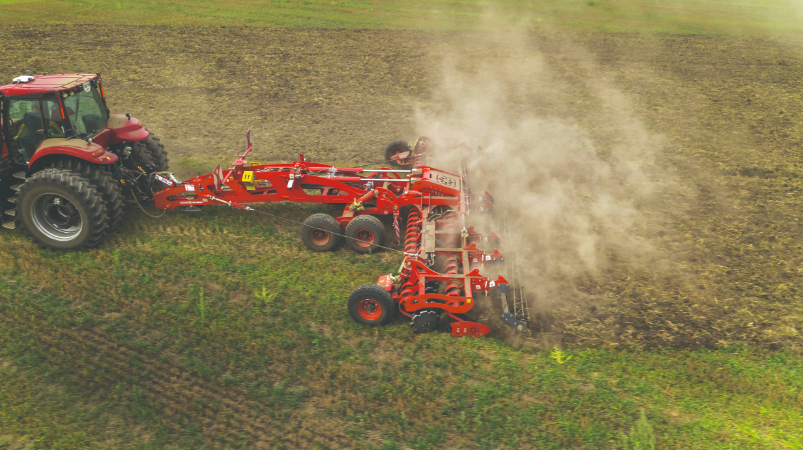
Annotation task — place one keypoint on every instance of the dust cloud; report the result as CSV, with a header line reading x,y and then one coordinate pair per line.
x,y
572,169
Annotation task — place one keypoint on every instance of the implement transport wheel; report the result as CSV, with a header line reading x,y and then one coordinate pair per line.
x,y
397,148
62,210
364,233
371,304
102,179
321,233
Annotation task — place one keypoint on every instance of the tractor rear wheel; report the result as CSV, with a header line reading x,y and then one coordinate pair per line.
x,y
396,148
100,177
371,304
364,234
321,233
61,210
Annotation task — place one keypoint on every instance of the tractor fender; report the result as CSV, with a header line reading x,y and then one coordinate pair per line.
x,y
53,148
125,129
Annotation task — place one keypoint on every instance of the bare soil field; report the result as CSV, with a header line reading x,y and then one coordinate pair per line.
x,y
721,116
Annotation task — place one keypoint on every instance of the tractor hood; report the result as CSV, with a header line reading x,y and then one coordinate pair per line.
x,y
126,128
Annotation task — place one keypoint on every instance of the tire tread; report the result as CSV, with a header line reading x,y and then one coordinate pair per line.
x,y
378,293
82,188
103,181
365,222
326,222
389,152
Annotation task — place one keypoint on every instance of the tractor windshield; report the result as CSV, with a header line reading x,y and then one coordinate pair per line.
x,y
86,111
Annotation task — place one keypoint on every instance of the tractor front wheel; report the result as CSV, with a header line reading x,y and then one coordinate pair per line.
x,y
364,234
61,210
371,304
321,233
157,153
149,152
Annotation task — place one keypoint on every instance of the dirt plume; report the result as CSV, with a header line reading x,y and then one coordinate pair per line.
x,y
576,186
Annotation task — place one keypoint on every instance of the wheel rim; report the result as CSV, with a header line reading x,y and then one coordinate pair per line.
x,y
57,218
366,238
369,309
319,237
397,151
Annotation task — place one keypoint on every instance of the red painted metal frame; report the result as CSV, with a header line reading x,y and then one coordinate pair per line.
x,y
409,288
383,192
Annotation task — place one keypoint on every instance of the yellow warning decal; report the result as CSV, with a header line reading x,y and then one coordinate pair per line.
x,y
248,177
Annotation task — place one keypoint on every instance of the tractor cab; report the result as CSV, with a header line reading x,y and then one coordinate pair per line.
x,y
38,109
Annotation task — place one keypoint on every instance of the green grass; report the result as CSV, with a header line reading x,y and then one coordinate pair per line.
x,y
642,16
232,305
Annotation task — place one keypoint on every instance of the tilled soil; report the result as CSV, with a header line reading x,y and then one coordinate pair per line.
x,y
720,115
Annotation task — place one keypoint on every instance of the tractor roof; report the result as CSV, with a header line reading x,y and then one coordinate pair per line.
x,y
47,83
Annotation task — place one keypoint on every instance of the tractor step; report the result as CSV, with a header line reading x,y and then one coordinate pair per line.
x,y
20,175
9,224
11,212
16,187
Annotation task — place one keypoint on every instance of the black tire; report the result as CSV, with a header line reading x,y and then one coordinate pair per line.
x,y
141,156
103,181
395,148
371,304
364,234
321,233
156,152
43,215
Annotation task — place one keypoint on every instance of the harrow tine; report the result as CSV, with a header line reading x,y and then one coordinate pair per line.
x,y
514,293
505,298
522,312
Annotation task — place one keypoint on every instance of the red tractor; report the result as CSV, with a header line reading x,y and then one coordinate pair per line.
x,y
67,162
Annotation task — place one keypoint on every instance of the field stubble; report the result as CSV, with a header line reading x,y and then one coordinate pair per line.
x,y
721,112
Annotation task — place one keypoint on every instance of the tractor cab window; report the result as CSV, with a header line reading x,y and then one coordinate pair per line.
x,y
86,111
52,113
25,127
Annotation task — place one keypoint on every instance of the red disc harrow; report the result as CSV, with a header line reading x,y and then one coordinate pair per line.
x,y
440,277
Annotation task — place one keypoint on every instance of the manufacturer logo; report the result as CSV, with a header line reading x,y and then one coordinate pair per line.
x,y
446,180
